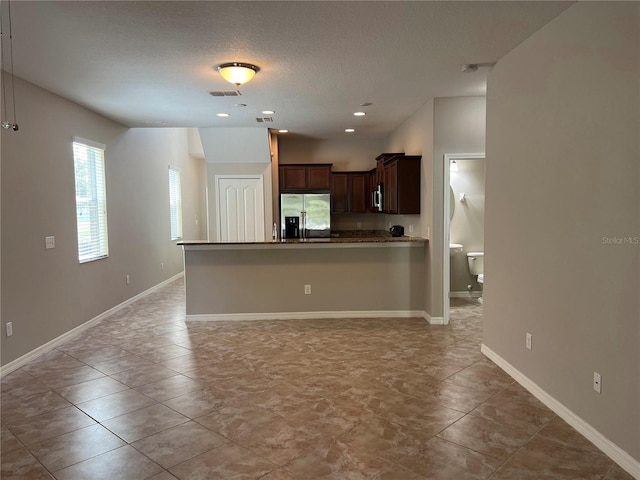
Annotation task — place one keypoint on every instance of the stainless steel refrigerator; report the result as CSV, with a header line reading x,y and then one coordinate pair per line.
x,y
312,211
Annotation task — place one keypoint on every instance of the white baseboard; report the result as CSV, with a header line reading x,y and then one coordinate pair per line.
x,y
622,458
42,349
216,317
435,320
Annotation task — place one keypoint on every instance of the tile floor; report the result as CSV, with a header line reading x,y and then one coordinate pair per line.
x,y
143,395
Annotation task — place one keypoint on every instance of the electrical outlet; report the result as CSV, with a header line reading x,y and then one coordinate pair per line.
x,y
50,242
9,327
410,228
127,279
307,289
528,341
597,382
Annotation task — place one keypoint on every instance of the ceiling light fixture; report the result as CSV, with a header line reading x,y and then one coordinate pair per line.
x,y
349,130
453,166
237,73
359,114
283,130
222,115
268,112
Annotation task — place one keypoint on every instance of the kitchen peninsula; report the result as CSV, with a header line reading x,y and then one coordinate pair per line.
x,y
341,276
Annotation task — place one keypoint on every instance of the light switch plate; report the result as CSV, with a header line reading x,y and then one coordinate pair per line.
x,y
50,242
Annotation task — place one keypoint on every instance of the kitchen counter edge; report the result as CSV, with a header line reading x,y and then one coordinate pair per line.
x,y
367,242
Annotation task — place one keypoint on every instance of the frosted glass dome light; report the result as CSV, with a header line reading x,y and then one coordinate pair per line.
x,y
237,73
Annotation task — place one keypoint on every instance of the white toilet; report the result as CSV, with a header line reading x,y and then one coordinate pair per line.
x,y
476,267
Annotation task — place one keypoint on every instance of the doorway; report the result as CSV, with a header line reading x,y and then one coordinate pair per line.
x,y
240,202
449,202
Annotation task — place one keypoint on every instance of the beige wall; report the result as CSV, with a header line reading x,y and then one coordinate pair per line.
x,y
46,293
459,127
380,279
443,125
415,137
348,154
563,114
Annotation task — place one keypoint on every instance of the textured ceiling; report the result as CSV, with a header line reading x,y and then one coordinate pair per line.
x,y
151,63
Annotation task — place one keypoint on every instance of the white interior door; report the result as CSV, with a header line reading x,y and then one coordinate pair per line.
x,y
240,209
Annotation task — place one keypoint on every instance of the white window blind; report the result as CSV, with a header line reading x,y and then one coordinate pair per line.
x,y
91,200
175,203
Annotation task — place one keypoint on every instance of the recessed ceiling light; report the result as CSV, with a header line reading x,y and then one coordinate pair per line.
x,y
359,114
268,112
283,130
239,104
222,114
349,130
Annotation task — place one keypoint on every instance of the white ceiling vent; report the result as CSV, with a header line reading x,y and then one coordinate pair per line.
x,y
264,119
228,93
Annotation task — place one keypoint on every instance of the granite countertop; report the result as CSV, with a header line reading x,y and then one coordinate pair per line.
x,y
337,237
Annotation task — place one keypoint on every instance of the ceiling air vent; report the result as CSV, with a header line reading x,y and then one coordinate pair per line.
x,y
228,93
264,119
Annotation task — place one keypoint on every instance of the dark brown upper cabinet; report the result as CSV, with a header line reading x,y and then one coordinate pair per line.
x,y
305,177
401,184
350,192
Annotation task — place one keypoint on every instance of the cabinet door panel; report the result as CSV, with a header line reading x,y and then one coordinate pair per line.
x,y
359,193
391,188
339,193
319,177
292,178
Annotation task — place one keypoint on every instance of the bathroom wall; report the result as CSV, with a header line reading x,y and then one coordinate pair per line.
x,y
467,224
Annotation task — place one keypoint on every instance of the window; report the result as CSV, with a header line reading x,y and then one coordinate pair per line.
x,y
175,203
91,200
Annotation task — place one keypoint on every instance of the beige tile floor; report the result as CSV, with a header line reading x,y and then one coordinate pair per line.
x,y
144,395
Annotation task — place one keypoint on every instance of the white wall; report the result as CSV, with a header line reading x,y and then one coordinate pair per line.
x,y
47,292
563,177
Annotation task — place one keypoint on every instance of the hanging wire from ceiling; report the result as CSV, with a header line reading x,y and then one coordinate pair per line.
x,y
6,124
